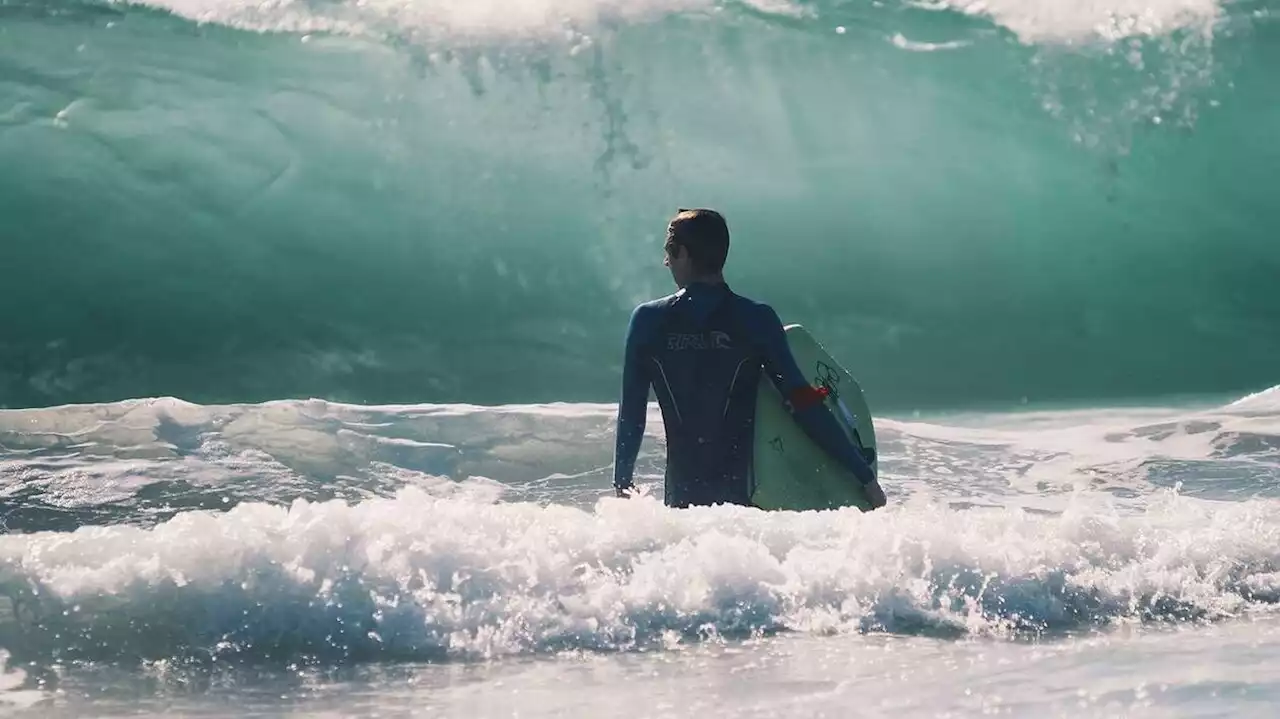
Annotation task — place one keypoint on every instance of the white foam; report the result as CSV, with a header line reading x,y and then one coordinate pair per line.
x,y
435,573
427,567
443,17
1032,20
79,456
1266,401
1081,447
12,695
1057,21
900,41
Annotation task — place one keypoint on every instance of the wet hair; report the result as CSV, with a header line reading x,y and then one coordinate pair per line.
x,y
705,236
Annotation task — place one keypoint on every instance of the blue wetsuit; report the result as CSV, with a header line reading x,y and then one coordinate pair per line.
x,y
702,350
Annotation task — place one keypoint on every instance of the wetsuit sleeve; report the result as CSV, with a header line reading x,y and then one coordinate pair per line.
x,y
633,406
814,417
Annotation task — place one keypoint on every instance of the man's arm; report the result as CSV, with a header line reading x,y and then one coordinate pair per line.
x,y
633,406
806,406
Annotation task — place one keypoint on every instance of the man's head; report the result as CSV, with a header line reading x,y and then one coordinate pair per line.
x,y
697,246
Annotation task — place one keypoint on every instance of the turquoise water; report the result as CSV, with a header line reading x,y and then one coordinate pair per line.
x,y
313,313
436,201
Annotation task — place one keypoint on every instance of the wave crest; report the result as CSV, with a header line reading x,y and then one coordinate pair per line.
x,y
430,577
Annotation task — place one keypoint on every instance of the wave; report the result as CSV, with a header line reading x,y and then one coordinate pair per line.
x,y
143,462
1045,20
430,575
452,202
314,533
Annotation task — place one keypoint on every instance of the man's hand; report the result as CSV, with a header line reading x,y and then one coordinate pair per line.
x,y
875,495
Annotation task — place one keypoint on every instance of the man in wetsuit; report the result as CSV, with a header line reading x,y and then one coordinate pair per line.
x,y
702,350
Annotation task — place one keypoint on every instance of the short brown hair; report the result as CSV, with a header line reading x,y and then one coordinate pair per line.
x,y
704,234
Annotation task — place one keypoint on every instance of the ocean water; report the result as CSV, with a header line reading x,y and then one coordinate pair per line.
x,y
314,558
398,201
313,313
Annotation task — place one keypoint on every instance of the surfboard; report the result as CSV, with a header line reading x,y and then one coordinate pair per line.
x,y
791,472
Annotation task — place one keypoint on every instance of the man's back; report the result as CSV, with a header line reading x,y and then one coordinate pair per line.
x,y
698,349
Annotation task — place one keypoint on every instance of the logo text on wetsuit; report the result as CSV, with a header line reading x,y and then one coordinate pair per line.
x,y
713,340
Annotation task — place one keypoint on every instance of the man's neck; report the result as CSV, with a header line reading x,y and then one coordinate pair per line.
x,y
712,280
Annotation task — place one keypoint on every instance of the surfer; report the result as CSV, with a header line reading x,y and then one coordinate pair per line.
x,y
702,349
